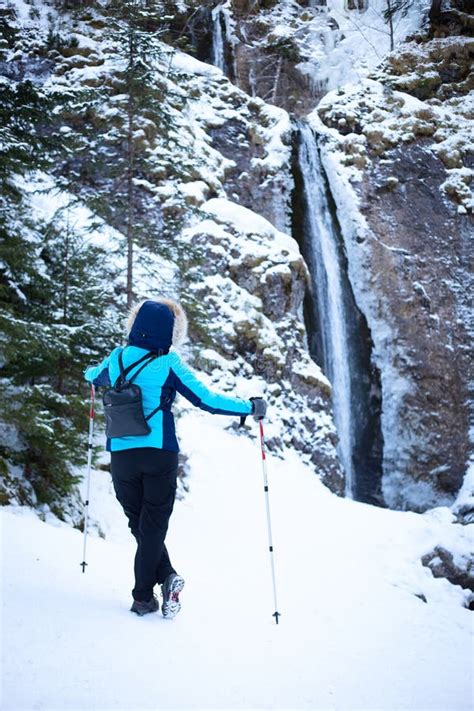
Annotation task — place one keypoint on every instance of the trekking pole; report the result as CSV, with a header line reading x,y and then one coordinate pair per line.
x,y
89,464
276,614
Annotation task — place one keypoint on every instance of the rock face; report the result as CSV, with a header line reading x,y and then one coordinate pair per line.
x,y
405,164
267,48
418,267
268,59
249,281
256,178
398,156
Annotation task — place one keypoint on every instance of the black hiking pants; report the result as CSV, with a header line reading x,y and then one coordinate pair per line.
x,y
145,485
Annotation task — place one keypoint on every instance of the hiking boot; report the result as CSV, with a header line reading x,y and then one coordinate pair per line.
x,y
142,608
170,591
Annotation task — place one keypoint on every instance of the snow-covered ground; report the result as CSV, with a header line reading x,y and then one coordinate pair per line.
x,y
353,634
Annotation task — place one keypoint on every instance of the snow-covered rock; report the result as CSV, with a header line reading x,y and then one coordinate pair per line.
x,y
397,162
209,203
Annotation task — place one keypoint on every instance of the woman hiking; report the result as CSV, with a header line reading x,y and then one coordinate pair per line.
x,y
144,467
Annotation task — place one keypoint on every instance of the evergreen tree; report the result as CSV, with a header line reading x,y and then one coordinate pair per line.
x,y
55,302
140,51
59,293
117,130
54,319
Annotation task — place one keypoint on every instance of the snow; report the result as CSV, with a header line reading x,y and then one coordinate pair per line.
x,y
310,369
248,222
190,65
276,138
353,634
84,42
338,45
50,203
35,15
195,191
365,38
465,497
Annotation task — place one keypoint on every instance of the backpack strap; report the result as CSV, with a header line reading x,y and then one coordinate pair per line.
x,y
147,358
166,401
153,412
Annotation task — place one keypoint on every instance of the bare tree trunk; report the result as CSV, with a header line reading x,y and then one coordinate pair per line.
x,y
65,300
130,171
435,9
277,81
66,272
390,24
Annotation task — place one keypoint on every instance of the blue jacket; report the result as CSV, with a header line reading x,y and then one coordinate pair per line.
x,y
159,382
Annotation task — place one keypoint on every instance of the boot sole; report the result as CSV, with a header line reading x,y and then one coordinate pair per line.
x,y
170,607
142,613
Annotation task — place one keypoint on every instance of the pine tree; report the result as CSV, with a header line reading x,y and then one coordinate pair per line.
x,y
59,294
139,51
117,128
55,305
54,321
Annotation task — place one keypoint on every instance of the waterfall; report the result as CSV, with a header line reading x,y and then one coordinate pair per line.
x,y
328,287
223,40
218,48
339,337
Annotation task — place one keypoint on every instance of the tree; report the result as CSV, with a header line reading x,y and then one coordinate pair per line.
x,y
59,292
54,320
55,299
116,128
139,50
393,8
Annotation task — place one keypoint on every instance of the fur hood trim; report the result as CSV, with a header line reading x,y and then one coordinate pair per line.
x,y
180,326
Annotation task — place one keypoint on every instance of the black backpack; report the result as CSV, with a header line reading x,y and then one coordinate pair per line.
x,y
123,405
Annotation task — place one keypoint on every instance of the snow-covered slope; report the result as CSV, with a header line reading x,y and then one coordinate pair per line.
x,y
206,152
364,625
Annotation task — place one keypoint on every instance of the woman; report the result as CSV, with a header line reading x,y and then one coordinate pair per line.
x,y
144,468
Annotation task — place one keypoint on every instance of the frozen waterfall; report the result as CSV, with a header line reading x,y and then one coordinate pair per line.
x,y
218,53
339,338
222,40
327,285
